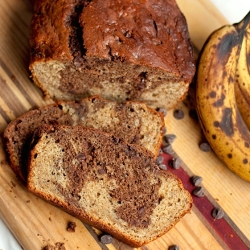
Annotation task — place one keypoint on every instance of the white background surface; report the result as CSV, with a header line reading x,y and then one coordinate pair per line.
x,y
232,10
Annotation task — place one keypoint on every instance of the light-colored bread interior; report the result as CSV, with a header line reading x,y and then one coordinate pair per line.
x,y
140,51
96,201
133,122
135,116
111,80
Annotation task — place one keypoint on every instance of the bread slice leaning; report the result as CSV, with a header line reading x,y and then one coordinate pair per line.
x,y
109,184
133,122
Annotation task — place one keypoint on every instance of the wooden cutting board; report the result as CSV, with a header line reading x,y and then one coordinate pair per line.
x,y
36,223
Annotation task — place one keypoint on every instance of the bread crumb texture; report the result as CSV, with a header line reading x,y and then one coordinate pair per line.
x,y
132,122
109,184
121,50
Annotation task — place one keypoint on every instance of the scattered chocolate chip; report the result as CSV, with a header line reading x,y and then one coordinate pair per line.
x,y
159,160
196,180
168,149
178,114
174,247
160,151
71,227
106,239
163,166
205,147
198,191
175,163
163,110
169,138
217,213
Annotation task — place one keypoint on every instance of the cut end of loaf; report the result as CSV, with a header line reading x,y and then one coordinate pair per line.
x,y
113,186
121,50
118,81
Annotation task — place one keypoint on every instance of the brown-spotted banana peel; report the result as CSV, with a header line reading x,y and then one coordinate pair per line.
x,y
242,79
217,110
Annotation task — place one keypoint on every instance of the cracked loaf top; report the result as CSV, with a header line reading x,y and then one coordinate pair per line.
x,y
147,32
121,50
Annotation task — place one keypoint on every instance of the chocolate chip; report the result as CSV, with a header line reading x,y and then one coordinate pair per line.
x,y
163,166
217,213
101,171
81,157
178,114
141,210
163,110
175,163
106,239
168,149
174,247
169,138
205,147
160,151
159,160
196,180
198,191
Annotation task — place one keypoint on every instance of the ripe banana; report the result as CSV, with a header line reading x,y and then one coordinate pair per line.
x,y
217,110
242,80
242,103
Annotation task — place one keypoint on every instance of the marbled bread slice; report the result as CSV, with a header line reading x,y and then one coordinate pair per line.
x,y
133,122
109,184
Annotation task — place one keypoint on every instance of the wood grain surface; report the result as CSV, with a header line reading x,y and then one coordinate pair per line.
x,y
36,223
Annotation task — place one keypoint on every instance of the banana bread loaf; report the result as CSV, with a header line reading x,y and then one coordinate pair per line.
x,y
133,122
122,50
111,185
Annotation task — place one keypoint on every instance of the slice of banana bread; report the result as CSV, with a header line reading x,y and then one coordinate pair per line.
x,y
122,50
133,122
111,185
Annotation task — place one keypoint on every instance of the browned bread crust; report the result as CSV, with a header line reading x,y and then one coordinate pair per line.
x,y
133,122
122,50
111,185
